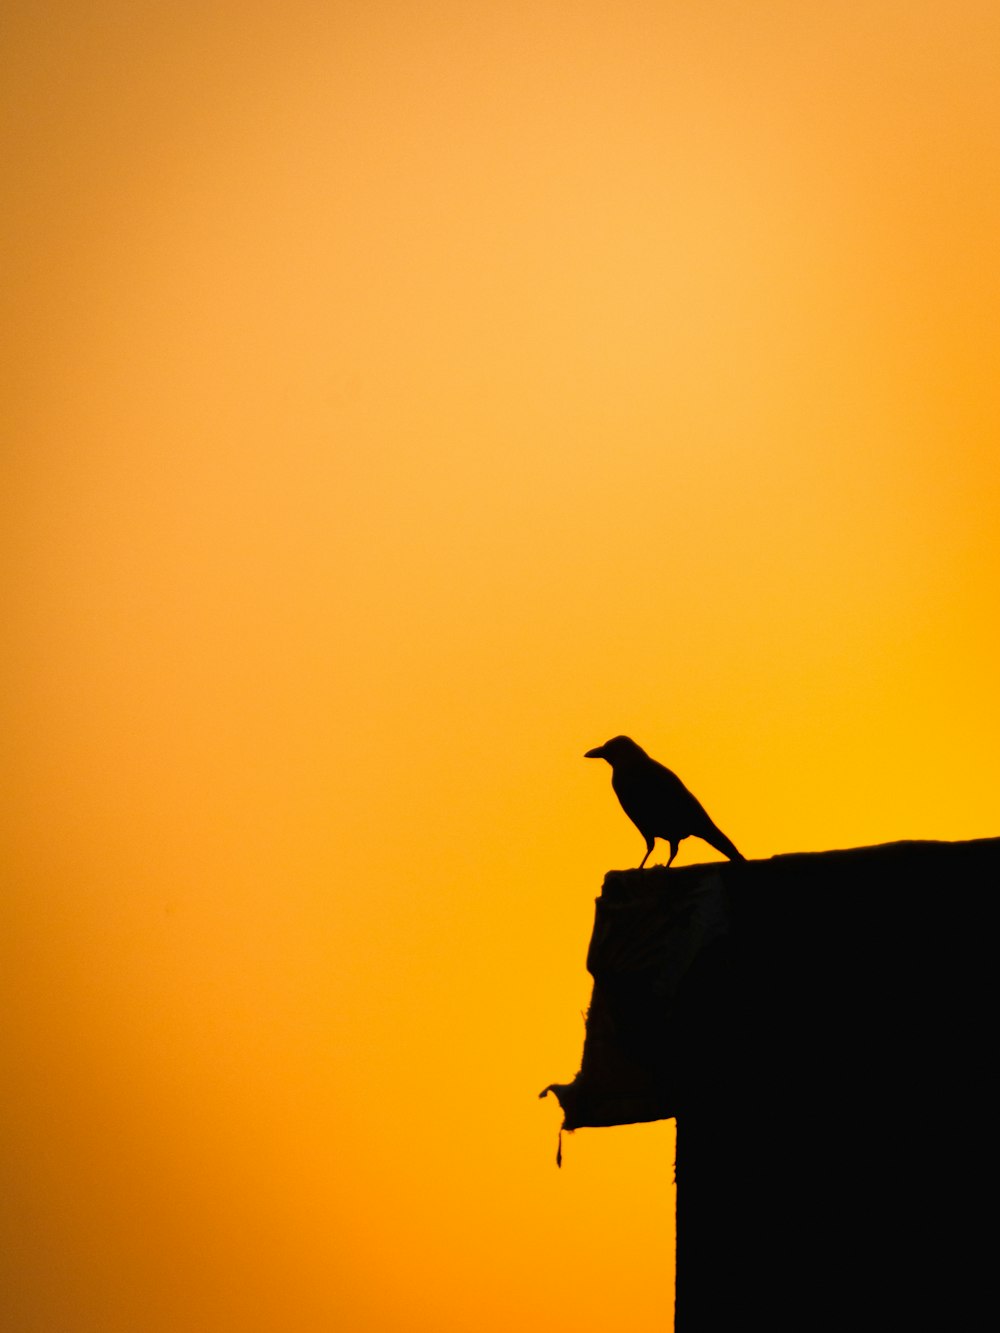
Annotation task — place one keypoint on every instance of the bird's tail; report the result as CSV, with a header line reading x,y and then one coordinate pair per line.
x,y
715,837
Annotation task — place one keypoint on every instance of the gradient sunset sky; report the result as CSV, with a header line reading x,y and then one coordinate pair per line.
x,y
399,400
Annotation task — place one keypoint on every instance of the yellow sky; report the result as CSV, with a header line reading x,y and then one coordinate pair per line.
x,y
400,400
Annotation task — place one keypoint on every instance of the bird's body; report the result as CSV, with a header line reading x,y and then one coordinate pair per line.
x,y
656,800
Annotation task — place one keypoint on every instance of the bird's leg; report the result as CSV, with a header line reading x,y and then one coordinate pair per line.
x,y
649,848
673,852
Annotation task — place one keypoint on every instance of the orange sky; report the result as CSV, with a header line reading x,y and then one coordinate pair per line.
x,y
400,400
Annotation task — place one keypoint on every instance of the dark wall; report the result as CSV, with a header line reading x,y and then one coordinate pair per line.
x,y
836,1103
823,1028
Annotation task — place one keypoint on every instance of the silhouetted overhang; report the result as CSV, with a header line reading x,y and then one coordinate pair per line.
x,y
711,976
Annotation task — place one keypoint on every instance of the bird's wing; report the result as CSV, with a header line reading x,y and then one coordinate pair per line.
x,y
669,790
656,801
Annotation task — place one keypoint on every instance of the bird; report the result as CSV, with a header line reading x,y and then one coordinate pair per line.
x,y
656,800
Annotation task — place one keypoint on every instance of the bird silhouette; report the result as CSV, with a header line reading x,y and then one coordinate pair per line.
x,y
656,800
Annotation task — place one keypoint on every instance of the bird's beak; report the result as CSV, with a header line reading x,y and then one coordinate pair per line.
x,y
595,754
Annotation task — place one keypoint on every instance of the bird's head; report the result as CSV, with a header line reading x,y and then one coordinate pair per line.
x,y
618,750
